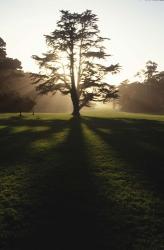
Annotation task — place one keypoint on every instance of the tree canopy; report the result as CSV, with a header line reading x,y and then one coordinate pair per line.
x,y
7,64
76,62
12,98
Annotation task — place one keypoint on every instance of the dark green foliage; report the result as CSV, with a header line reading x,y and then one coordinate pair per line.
x,y
2,49
89,183
146,95
11,100
150,69
73,62
8,66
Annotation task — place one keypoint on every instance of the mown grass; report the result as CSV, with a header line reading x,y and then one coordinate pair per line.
x,y
93,183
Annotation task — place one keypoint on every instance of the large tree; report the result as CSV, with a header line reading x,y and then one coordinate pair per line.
x,y
12,84
73,63
9,67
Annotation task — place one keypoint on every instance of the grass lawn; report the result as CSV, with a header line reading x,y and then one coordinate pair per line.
x,y
93,183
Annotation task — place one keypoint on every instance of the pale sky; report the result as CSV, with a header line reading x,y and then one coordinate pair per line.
x,y
135,27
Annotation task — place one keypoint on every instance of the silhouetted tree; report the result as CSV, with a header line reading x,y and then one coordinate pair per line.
x,y
146,95
2,48
9,67
11,98
73,63
150,69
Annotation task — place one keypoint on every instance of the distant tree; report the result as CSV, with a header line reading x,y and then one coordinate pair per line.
x,y
146,95
151,69
2,49
23,104
73,63
13,102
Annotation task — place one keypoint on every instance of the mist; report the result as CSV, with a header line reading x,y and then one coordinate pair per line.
x,y
45,103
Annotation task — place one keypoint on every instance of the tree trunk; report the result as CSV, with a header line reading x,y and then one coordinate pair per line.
x,y
75,102
74,91
76,112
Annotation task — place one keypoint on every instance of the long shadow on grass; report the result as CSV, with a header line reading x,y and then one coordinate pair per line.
x,y
63,208
63,202
137,142
22,172
15,146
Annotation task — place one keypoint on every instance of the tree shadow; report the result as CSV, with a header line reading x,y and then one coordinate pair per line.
x,y
16,146
61,204
68,212
25,175
138,142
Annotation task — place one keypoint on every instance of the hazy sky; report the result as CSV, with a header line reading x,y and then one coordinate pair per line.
x,y
135,27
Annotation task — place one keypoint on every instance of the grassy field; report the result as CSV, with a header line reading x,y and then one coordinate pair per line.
x,y
93,183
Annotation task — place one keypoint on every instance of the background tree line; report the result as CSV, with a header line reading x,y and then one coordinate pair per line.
x,y
144,95
12,94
